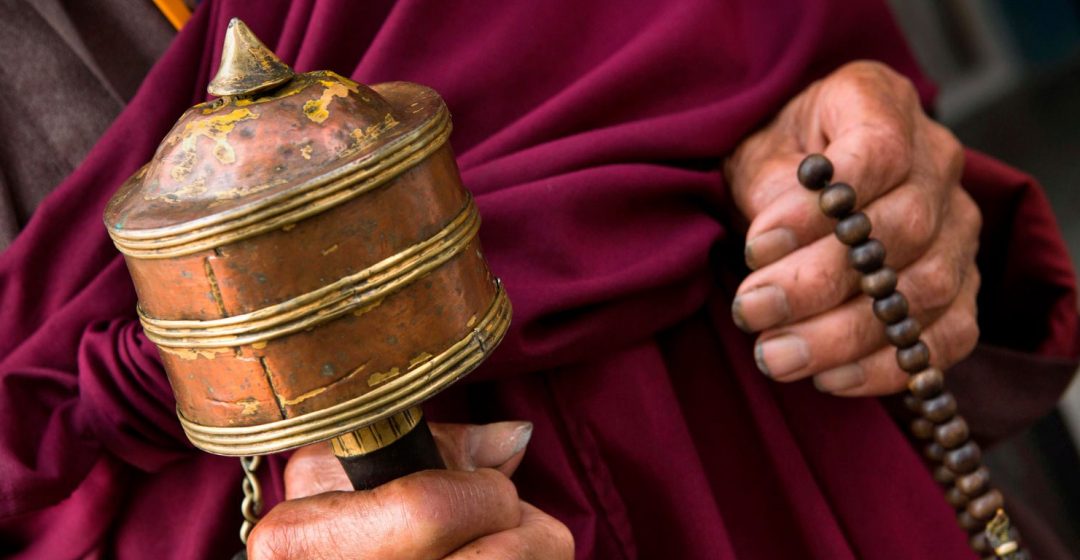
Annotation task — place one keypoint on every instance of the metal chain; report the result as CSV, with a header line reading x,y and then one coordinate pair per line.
x,y
252,505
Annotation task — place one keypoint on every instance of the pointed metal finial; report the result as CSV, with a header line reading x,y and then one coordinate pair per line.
x,y
247,65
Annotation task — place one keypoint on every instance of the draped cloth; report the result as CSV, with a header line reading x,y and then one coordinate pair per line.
x,y
591,135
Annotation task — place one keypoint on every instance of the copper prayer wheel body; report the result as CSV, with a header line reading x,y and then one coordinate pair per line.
x,y
305,255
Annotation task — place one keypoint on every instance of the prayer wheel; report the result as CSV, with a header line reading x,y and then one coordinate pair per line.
x,y
306,260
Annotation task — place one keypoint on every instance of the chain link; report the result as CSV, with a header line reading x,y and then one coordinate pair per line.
x,y
252,505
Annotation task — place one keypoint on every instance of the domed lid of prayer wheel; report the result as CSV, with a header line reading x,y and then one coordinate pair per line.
x,y
273,148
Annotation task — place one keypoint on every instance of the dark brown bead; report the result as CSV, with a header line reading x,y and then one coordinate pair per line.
x,y
922,428
913,403
980,544
815,172
853,229
968,522
837,200
943,475
939,408
963,459
914,358
984,507
891,309
879,283
975,483
904,333
953,433
867,256
956,498
934,452
928,383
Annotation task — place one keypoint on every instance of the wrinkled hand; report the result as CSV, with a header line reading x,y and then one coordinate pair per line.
x,y
803,297
471,511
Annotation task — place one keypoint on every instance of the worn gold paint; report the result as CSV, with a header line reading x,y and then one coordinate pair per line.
x,y
472,322
330,249
419,359
382,377
251,407
361,310
316,392
216,128
305,151
193,353
364,136
318,110
259,345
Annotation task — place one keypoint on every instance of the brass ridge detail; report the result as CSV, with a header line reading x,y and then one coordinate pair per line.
x,y
315,196
406,391
355,292
377,435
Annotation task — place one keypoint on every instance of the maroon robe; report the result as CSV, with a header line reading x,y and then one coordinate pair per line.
x,y
591,134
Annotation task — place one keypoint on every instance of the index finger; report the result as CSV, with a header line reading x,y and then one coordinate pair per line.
x,y
865,125
424,515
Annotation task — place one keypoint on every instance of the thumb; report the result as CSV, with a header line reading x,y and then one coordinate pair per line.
x,y
468,447
314,469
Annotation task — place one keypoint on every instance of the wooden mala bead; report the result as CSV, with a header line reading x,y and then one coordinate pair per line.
x,y
984,507
913,403
922,428
853,229
939,408
867,256
956,498
914,358
943,475
903,333
974,483
953,433
963,459
891,309
967,522
927,384
837,200
880,283
815,172
935,452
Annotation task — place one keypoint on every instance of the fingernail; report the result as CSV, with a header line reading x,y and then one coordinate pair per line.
x,y
769,247
491,445
840,379
760,309
781,356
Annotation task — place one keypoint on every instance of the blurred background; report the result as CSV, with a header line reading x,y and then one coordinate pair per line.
x,y
1009,78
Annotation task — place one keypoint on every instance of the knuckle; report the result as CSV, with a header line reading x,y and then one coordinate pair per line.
x,y
271,539
968,213
935,286
920,219
421,504
887,140
958,338
561,539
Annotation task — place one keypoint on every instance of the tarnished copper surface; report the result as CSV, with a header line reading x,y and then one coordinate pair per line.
x,y
305,255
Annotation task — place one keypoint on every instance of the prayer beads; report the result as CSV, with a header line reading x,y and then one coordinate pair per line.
x,y
956,460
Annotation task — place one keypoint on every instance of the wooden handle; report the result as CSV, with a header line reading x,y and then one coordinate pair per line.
x,y
392,448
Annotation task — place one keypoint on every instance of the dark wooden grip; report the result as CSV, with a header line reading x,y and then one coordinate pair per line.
x,y
412,452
